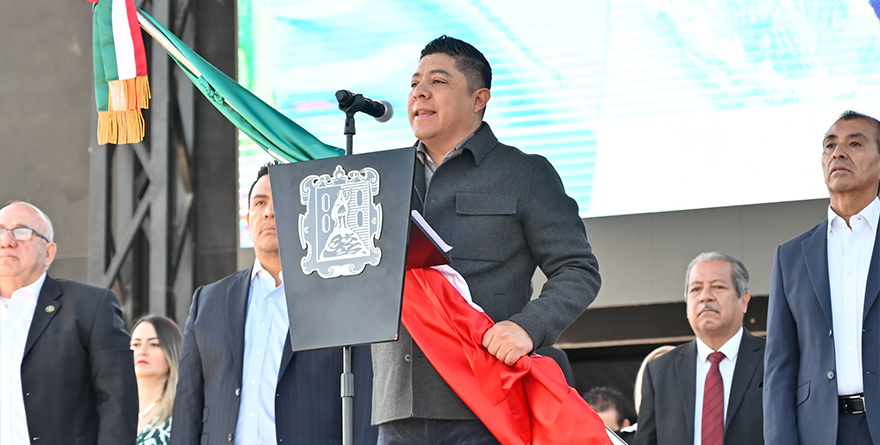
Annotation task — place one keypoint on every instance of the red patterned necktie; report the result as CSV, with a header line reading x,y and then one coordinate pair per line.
x,y
713,403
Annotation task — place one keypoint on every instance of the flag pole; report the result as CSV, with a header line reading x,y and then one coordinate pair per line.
x,y
162,40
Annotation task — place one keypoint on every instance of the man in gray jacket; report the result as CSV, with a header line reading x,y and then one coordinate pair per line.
x,y
504,213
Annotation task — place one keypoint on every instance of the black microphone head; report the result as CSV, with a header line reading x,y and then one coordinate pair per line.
x,y
385,117
345,98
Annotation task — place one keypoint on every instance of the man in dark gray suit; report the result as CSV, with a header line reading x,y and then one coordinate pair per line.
x,y
240,382
504,213
66,370
823,349
707,391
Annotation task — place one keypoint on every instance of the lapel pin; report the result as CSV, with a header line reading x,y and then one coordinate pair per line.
x,y
50,308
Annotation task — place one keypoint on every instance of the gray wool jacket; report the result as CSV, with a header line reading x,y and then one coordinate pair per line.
x,y
504,213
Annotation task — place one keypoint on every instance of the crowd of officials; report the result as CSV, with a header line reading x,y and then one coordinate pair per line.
x,y
70,373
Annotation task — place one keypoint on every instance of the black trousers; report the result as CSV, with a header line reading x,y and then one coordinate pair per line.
x,y
852,429
435,432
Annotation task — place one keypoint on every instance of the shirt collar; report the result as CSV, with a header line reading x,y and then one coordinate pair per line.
x,y
729,349
479,143
871,213
30,292
422,152
263,273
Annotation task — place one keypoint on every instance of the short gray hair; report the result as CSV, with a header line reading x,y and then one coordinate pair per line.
x,y
740,275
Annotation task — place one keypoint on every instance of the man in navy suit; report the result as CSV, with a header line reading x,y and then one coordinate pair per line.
x,y
821,384
240,382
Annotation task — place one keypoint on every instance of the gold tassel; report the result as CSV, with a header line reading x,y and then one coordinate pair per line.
x,y
106,127
142,92
130,126
120,127
126,125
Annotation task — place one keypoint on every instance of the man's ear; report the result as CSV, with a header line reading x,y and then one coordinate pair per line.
x,y
481,98
51,248
746,297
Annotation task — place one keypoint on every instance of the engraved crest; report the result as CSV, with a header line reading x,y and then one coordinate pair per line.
x,y
342,222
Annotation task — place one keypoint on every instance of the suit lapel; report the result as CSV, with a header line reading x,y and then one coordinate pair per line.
x,y
686,373
419,188
815,252
747,360
286,356
872,287
236,306
47,306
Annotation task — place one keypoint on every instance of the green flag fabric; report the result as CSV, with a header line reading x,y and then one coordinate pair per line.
x,y
274,132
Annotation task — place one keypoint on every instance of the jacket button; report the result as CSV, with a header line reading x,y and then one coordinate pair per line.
x,y
830,375
237,392
830,331
230,437
36,438
407,358
27,394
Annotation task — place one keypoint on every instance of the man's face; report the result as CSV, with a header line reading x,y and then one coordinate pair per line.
x,y
442,110
713,308
261,219
24,261
609,417
850,159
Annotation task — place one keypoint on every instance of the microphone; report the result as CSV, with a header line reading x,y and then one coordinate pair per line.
x,y
349,101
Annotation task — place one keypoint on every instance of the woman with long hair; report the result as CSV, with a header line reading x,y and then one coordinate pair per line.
x,y
156,343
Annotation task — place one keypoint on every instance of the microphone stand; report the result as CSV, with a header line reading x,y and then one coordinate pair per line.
x,y
355,105
347,378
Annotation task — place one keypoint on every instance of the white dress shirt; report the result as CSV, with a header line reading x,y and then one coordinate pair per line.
x,y
726,366
849,257
265,332
15,322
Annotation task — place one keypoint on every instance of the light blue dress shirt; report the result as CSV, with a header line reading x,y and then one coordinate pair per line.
x,y
265,332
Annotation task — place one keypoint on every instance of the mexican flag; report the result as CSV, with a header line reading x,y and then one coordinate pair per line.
x,y
274,132
121,86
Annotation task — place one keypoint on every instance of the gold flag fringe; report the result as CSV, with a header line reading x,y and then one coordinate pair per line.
x,y
120,127
139,89
125,126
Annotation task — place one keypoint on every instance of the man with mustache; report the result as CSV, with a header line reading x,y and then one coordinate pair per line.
x,y
240,381
823,349
708,391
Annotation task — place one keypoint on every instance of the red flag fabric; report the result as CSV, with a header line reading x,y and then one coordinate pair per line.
x,y
527,403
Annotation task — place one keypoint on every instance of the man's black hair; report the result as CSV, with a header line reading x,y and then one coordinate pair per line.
x,y
603,398
263,171
469,60
849,115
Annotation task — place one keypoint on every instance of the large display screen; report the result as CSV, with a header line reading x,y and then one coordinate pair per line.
x,y
641,105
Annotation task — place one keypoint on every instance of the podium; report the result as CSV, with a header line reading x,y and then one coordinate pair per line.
x,y
344,227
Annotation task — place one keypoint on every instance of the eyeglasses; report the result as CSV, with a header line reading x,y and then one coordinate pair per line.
x,y
23,233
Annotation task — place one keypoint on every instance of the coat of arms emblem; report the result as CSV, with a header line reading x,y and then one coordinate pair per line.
x,y
342,222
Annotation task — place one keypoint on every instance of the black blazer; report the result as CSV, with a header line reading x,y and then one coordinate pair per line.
x,y
308,407
666,416
77,372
